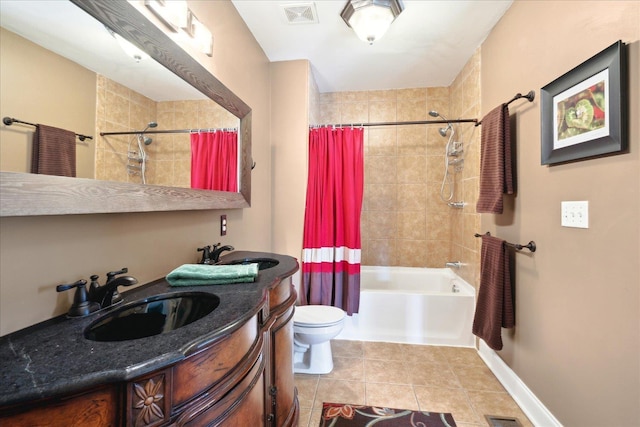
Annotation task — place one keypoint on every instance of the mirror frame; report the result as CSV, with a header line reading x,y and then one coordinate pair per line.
x,y
23,194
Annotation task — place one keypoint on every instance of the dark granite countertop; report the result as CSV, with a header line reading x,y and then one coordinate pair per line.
x,y
53,357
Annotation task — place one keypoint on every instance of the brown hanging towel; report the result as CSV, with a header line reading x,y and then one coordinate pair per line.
x,y
496,173
54,151
494,308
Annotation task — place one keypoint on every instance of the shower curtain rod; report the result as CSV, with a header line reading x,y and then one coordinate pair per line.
x,y
529,96
194,130
10,120
419,122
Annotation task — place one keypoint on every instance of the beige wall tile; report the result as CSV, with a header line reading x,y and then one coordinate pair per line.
x,y
412,140
411,225
382,95
412,169
404,167
383,225
354,113
411,110
382,111
412,93
411,197
382,141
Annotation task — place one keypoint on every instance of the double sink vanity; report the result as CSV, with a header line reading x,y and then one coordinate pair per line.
x,y
199,355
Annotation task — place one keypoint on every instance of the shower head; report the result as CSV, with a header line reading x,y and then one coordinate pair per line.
x,y
150,125
147,140
442,131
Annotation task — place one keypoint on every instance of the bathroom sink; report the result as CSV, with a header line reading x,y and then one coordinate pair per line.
x,y
152,316
263,263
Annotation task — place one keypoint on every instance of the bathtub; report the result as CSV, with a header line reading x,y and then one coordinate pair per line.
x,y
414,306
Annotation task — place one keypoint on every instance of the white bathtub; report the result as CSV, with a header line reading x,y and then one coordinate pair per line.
x,y
414,306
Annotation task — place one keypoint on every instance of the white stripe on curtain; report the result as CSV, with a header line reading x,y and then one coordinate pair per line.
x,y
352,256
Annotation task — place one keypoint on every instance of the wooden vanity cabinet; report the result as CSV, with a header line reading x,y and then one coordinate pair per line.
x,y
244,379
284,401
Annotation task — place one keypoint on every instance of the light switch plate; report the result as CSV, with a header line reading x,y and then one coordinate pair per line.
x,y
575,214
223,225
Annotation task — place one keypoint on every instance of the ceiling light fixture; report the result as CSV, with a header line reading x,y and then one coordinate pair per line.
x,y
370,19
129,48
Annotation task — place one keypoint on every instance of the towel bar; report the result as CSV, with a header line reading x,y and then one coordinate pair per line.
x,y
531,245
529,96
8,121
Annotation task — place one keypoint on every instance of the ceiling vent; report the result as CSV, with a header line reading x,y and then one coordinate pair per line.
x,y
300,13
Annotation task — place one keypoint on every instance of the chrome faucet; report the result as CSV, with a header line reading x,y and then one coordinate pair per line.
x,y
215,253
454,264
107,294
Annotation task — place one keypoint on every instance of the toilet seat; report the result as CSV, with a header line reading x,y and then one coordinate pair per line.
x,y
317,316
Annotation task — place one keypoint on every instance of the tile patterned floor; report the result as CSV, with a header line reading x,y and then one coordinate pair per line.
x,y
427,378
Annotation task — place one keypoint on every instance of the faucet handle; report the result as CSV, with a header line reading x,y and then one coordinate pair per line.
x,y
112,274
66,287
81,305
206,254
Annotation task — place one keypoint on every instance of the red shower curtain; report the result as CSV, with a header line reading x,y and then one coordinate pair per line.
x,y
331,246
214,160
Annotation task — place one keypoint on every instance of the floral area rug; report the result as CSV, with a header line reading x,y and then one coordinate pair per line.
x,y
345,415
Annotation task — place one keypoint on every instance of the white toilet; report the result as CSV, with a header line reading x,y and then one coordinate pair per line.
x,y
314,326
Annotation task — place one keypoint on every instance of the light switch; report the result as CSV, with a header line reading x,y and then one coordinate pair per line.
x,y
575,214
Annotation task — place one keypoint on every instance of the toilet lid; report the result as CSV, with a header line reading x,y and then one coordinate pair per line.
x,y
317,315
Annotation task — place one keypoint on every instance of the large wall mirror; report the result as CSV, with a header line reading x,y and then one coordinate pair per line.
x,y
33,194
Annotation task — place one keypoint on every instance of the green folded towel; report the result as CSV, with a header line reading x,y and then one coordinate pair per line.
x,y
204,274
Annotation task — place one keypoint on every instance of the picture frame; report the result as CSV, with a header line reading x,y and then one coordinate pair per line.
x,y
584,112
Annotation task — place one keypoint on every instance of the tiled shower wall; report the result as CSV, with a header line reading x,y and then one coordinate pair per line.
x,y
465,102
121,109
404,220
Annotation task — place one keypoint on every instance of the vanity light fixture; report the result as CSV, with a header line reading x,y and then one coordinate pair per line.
x,y
173,13
177,16
370,19
201,36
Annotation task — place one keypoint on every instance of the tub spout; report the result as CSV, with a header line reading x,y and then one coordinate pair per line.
x,y
453,264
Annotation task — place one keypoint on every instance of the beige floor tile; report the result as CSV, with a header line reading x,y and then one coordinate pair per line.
x,y
305,415
477,378
451,400
346,348
307,386
314,421
400,396
347,368
432,378
433,375
462,356
500,404
383,351
385,371
337,391
422,353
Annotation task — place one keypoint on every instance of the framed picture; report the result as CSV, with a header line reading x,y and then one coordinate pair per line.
x,y
584,112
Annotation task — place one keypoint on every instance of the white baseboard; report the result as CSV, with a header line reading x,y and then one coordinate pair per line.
x,y
537,413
